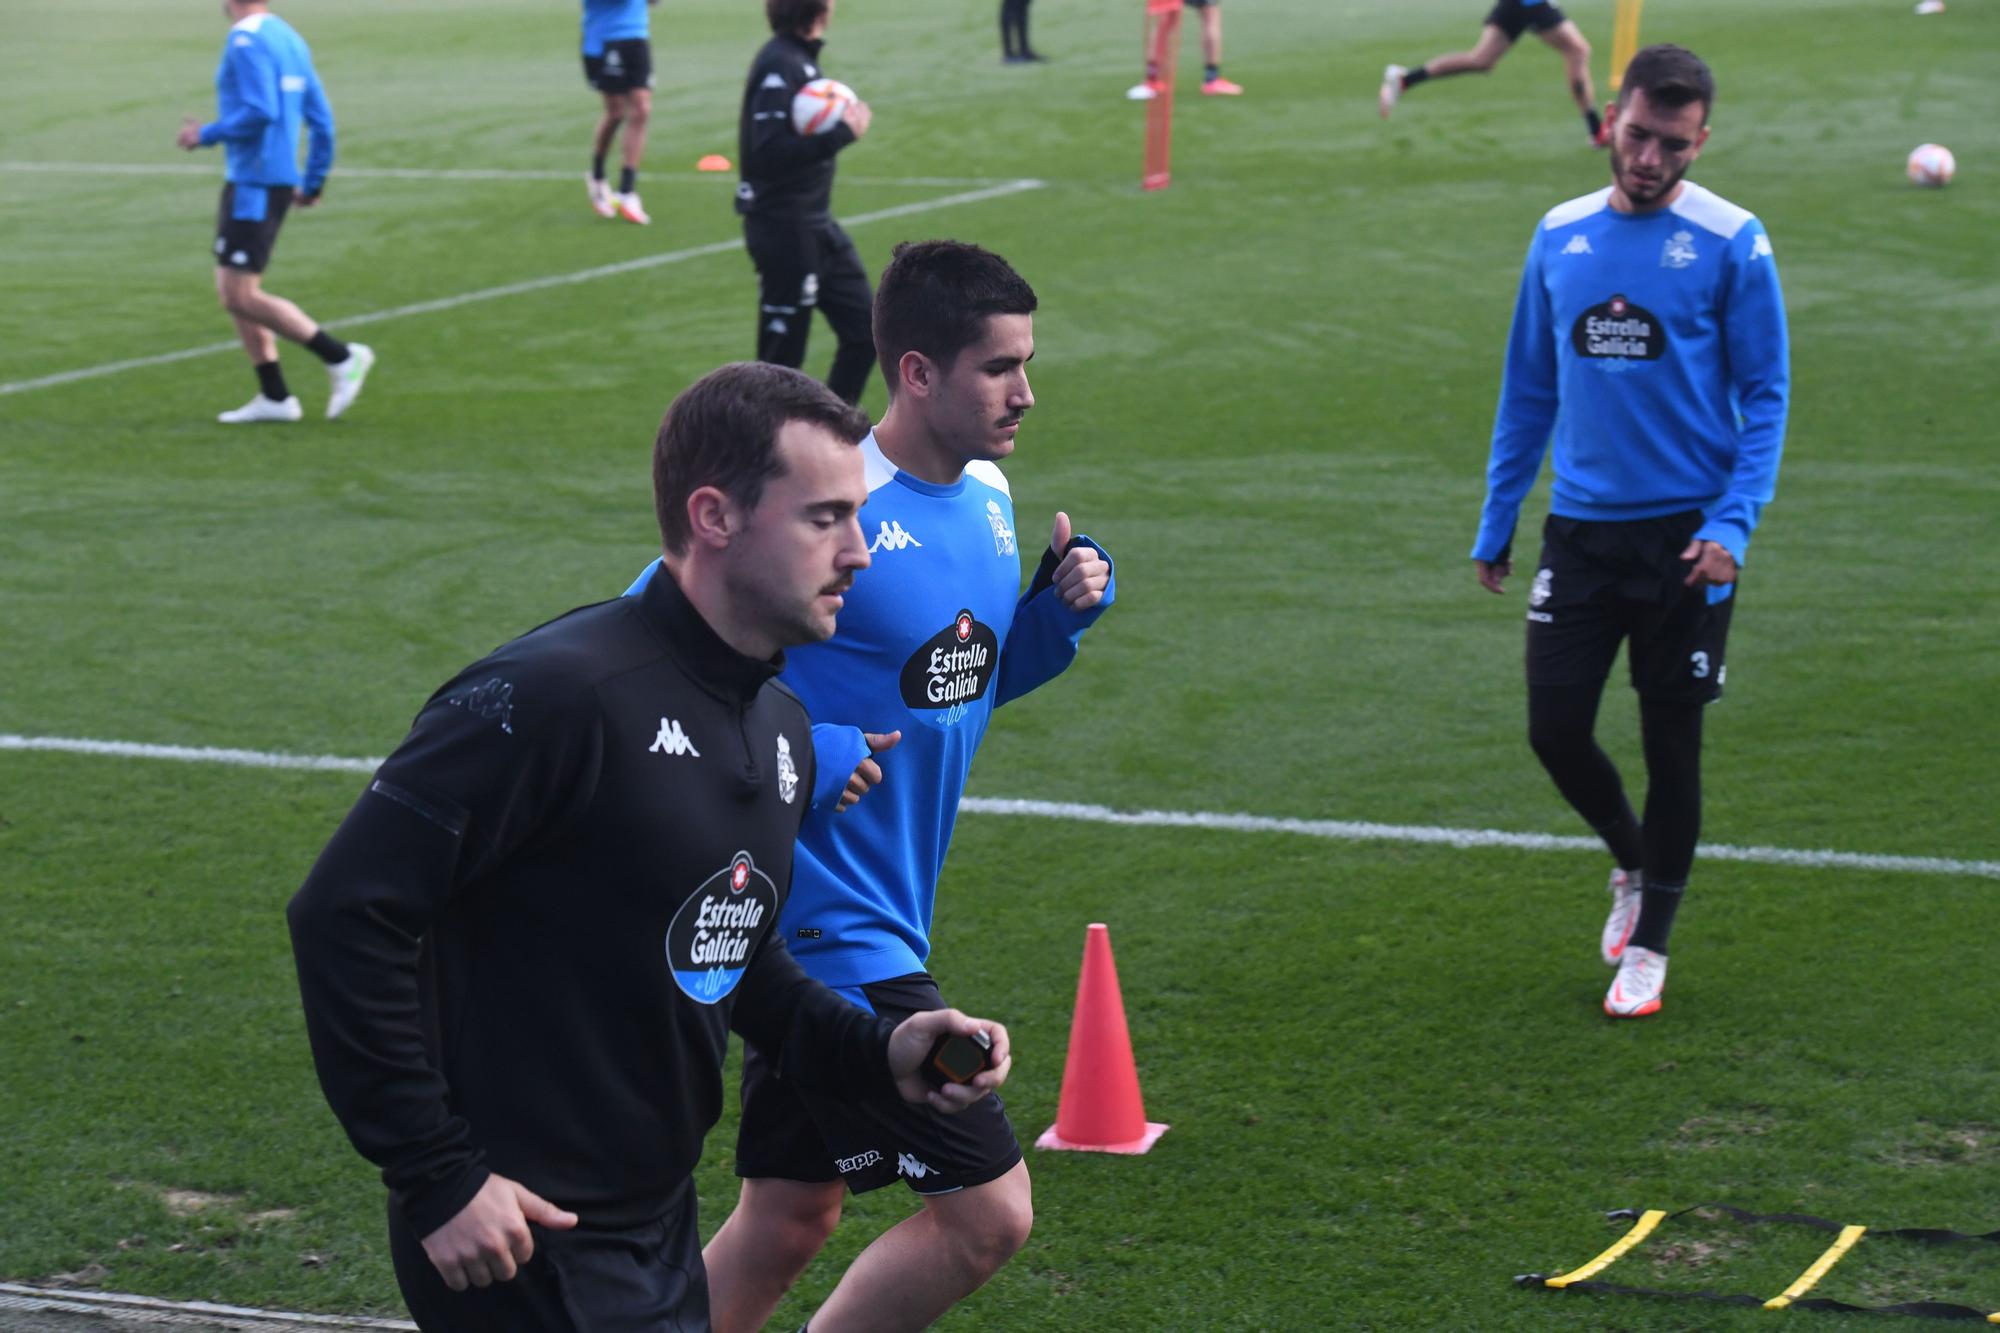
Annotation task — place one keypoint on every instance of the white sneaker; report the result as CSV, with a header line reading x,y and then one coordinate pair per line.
x,y
347,377
601,201
631,209
1144,91
1392,89
261,408
1635,991
1618,926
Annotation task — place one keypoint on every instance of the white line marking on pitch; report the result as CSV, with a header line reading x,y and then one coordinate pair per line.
x,y
1336,830
444,173
519,288
15,1295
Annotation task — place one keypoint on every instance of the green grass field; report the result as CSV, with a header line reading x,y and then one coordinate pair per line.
x,y
1268,392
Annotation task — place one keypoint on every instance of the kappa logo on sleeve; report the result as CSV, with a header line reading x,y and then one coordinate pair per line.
x,y
494,700
711,937
1619,332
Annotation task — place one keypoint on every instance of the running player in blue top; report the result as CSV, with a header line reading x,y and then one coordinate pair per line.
x,y
933,636
1649,341
1504,25
618,63
266,91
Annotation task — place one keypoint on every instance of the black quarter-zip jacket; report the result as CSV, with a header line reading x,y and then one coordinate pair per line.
x,y
785,174
522,949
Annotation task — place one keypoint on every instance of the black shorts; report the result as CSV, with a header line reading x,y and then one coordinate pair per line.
x,y
246,243
1202,4
1513,18
624,66
792,1135
643,1279
1599,583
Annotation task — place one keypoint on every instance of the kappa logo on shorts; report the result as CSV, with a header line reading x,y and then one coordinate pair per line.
x,y
861,1161
908,1165
1540,592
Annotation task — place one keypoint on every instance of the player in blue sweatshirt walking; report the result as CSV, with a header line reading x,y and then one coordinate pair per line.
x,y
1649,339
934,636
618,63
266,90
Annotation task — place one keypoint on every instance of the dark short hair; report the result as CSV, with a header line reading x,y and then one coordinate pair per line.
x,y
793,15
936,296
723,432
1670,76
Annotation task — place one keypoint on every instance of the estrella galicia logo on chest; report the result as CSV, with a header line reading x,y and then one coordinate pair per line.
x,y
711,937
953,666
1619,330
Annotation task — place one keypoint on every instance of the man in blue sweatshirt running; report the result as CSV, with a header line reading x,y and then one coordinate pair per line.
x,y
266,90
1649,340
932,637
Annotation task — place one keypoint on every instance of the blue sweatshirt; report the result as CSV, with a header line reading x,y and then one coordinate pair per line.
x,y
1653,346
265,88
613,21
935,634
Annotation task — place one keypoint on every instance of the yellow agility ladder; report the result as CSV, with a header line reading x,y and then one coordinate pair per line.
x,y
1793,1297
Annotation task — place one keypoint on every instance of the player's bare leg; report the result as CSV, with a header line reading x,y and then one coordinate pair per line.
x,y
758,1253
917,1269
244,297
638,111
259,315
1484,55
1212,82
1569,42
600,147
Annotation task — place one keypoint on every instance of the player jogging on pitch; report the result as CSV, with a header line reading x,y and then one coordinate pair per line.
x,y
618,63
1212,82
1650,337
265,90
1504,26
935,635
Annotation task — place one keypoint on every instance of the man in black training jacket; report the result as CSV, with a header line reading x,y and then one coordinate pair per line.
x,y
803,257
522,951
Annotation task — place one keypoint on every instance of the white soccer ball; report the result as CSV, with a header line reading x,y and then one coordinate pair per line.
x,y
1932,164
821,105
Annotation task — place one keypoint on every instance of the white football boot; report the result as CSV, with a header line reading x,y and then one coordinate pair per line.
x,y
632,210
1624,917
1635,991
1392,89
261,408
601,201
347,378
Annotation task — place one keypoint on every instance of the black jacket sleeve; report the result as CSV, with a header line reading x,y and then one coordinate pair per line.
x,y
486,768
813,1036
773,148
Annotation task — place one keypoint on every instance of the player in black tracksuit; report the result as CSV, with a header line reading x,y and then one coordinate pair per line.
x,y
803,257
523,950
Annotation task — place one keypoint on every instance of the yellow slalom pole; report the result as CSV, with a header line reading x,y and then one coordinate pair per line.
x,y
1624,39
1834,1253
1651,1218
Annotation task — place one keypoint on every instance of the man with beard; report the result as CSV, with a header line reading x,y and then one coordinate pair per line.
x,y
1649,337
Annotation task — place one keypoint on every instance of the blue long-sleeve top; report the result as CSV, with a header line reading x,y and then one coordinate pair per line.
x,y
1652,349
935,634
265,90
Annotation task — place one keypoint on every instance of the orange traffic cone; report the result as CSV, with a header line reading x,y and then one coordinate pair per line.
x,y
1100,1109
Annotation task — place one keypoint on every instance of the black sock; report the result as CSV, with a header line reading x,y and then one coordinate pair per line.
x,y
1152,71
597,166
1413,77
327,348
1625,839
1210,73
628,179
1656,915
271,381
1595,121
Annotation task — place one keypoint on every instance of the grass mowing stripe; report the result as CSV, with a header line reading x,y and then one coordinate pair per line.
x,y
521,288
1337,830
447,173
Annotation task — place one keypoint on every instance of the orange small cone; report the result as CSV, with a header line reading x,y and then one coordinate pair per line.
x,y
713,162
1100,1109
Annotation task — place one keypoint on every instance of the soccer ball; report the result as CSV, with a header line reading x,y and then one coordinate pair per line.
x,y
1932,164
821,105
